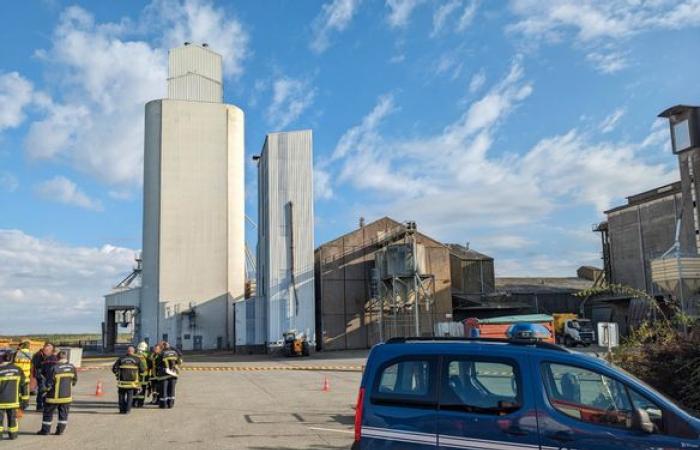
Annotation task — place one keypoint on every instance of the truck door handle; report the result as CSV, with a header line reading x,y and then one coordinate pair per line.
x,y
515,431
561,436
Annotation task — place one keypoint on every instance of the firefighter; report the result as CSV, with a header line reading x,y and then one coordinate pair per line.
x,y
41,361
23,360
59,382
128,369
167,368
144,357
12,381
154,379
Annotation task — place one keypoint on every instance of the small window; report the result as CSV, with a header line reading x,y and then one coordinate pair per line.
x,y
406,382
406,378
587,395
480,386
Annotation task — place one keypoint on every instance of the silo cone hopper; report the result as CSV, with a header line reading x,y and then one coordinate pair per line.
x,y
672,273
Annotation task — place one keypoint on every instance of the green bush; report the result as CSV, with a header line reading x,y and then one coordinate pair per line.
x,y
666,358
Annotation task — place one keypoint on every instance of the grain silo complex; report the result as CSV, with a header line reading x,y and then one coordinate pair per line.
x,y
285,256
193,216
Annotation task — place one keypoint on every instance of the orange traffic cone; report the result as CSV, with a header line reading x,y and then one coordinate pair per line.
x,y
98,389
326,385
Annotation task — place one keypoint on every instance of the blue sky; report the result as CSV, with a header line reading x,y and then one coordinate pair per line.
x,y
510,125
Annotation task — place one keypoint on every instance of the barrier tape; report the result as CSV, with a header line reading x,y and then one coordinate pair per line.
x,y
259,368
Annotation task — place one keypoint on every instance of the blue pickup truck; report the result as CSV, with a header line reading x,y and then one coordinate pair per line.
x,y
479,394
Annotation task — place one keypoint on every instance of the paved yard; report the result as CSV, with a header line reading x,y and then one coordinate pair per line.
x,y
266,409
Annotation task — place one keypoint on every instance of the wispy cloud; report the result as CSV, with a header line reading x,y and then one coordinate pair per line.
x,y
290,98
477,81
453,181
610,122
62,190
599,26
400,11
334,17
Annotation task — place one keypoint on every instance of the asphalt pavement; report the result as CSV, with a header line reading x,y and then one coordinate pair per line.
x,y
275,408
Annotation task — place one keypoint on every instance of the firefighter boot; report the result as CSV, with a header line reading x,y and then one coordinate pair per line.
x,y
60,428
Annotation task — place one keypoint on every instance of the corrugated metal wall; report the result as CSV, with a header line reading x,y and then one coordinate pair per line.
x,y
285,236
194,74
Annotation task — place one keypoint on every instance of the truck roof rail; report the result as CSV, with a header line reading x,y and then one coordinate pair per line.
x,y
525,342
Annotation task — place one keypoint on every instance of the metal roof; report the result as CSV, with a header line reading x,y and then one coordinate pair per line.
x,y
462,252
521,318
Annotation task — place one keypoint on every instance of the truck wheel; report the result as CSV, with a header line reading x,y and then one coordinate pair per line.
x,y
305,349
568,341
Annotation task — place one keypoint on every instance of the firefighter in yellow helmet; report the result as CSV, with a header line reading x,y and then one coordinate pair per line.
x,y
23,360
143,355
11,383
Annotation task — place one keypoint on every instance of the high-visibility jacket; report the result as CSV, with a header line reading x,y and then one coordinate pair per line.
x,y
11,385
167,360
23,360
129,369
60,379
143,361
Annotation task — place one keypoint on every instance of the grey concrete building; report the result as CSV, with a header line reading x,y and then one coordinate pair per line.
x,y
652,243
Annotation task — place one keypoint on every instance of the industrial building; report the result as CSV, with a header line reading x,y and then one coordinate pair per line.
x,y
284,300
652,242
369,279
193,216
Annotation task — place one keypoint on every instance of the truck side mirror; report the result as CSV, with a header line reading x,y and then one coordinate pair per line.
x,y
641,421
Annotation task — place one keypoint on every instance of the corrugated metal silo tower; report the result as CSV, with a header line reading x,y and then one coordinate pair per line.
x,y
285,299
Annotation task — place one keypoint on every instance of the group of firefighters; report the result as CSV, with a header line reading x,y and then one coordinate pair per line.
x,y
140,373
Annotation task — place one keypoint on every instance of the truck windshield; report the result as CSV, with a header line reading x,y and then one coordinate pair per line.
x,y
585,325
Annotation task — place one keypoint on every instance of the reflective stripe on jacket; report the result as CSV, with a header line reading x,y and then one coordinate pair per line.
x,y
11,385
129,369
60,380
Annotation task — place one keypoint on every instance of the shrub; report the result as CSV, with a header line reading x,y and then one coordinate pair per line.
x,y
665,358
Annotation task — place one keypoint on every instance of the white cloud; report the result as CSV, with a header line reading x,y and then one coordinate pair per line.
x,y
200,21
62,190
451,64
477,81
468,15
608,62
400,11
335,16
103,77
458,12
290,98
323,189
599,25
610,122
453,181
8,181
593,173
16,93
442,13
61,284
